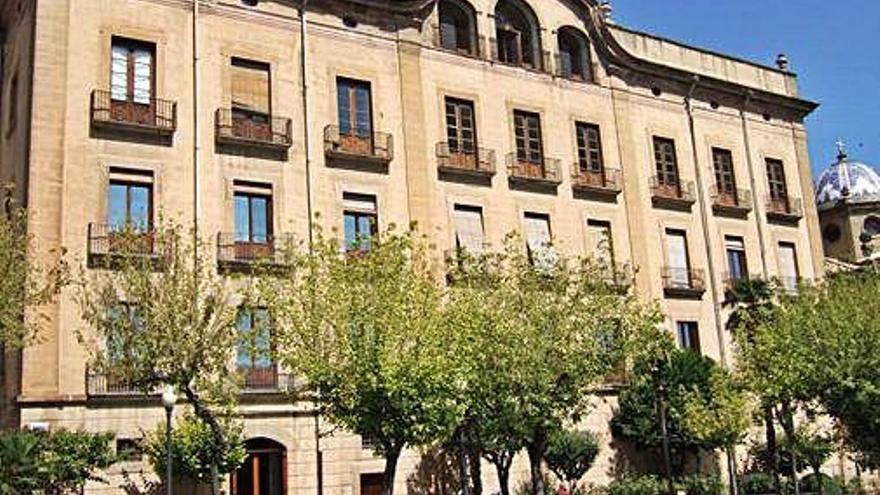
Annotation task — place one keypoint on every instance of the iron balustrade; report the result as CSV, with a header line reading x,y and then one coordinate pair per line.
x,y
151,114
249,128
377,146
478,160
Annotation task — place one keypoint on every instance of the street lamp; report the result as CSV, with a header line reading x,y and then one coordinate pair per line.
x,y
660,396
169,398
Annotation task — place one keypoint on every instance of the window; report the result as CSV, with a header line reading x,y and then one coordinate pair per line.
x,y
725,181
125,316
355,107
677,259
736,258
253,213
788,266
689,335
600,242
538,239
360,220
527,128
574,54
457,26
468,228
666,161
254,351
776,180
129,449
460,129
589,146
516,29
251,99
132,72
130,201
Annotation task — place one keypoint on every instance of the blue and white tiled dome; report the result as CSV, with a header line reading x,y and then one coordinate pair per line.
x,y
854,181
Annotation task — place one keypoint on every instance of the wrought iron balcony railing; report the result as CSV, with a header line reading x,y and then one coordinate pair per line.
x,y
232,252
109,243
354,145
546,170
607,181
235,127
477,160
101,385
784,208
683,282
730,201
265,381
150,115
672,194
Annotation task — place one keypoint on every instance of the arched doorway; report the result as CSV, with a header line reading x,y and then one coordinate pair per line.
x,y
264,471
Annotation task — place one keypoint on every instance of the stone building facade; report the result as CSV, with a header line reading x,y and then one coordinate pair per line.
x,y
474,118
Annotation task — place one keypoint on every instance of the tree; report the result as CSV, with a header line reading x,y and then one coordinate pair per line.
x,y
27,283
166,320
60,462
570,454
706,410
534,336
365,330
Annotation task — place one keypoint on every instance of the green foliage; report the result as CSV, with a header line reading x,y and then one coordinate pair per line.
x,y
193,449
571,453
757,483
830,486
812,451
62,460
30,279
705,409
655,485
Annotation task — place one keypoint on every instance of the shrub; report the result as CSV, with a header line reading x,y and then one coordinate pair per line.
x,y
570,454
637,485
757,483
830,486
701,485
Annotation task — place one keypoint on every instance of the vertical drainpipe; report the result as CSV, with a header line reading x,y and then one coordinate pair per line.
x,y
196,131
754,185
707,239
303,59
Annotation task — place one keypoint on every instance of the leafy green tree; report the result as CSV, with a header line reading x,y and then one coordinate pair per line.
x,y
193,450
533,340
166,320
705,409
366,331
27,283
60,462
570,454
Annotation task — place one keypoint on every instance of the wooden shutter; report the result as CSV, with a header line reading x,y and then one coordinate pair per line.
x,y
469,228
250,86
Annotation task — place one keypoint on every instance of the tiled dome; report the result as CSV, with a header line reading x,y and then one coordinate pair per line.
x,y
851,180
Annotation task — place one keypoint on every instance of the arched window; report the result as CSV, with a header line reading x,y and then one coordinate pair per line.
x,y
457,27
574,55
518,39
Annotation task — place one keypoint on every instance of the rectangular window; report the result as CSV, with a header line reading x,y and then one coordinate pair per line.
x,y
601,244
253,213
776,180
725,181
677,258
538,238
251,93
469,228
689,335
130,201
354,104
132,70
666,162
788,266
129,449
736,258
254,350
460,128
124,315
509,46
589,145
360,220
529,147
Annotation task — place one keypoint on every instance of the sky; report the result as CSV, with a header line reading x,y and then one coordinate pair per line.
x,y
832,45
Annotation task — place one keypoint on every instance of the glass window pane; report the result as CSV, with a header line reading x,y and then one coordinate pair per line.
x,y
259,219
242,219
350,227
117,207
343,102
139,208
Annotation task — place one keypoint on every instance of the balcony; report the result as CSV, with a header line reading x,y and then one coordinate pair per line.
x,y
544,176
243,130
735,203
673,196
151,118
244,256
367,151
103,386
476,165
109,246
604,185
792,286
683,283
784,210
265,381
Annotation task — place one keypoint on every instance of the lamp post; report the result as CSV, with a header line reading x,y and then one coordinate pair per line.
x,y
660,394
169,398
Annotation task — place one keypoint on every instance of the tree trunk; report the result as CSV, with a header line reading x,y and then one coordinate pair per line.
x,y
818,474
731,469
476,473
503,470
772,450
215,479
536,450
786,418
391,458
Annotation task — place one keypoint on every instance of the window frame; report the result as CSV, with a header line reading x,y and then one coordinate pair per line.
x,y
589,148
688,336
351,86
457,127
725,176
666,162
250,196
572,41
357,215
524,124
131,45
740,255
468,15
130,184
249,113
251,314
777,186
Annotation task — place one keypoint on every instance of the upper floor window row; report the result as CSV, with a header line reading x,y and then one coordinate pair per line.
x,y
517,38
